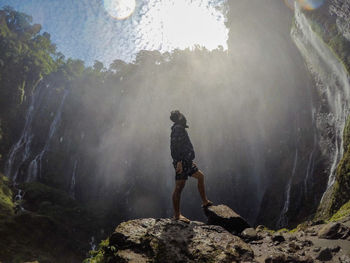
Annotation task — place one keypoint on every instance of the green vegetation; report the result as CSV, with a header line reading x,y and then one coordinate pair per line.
x,y
344,211
52,228
341,189
99,255
6,203
340,193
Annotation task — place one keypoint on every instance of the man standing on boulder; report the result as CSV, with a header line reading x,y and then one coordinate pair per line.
x,y
183,154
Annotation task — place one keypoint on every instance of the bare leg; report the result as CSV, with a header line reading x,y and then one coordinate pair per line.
x,y
201,187
180,184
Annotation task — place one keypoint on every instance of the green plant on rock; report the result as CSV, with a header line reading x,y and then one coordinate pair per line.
x,y
6,203
340,193
343,212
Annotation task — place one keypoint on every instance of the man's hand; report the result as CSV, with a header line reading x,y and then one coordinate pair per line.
x,y
179,168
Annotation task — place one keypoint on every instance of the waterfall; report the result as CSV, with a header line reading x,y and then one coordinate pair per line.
x,y
310,166
18,200
311,160
20,151
332,82
35,166
92,243
72,183
283,219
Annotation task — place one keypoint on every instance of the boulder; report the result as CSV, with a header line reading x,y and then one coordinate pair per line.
x,y
249,234
222,215
334,230
167,240
325,254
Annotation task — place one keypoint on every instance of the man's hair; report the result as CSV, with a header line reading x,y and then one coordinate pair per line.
x,y
178,118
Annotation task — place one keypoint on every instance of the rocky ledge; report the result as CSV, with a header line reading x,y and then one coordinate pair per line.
x,y
167,240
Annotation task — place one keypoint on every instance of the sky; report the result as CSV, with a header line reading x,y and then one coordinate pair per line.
x,y
93,29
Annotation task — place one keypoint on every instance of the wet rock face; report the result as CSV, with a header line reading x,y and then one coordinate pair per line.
x,y
166,240
341,9
224,216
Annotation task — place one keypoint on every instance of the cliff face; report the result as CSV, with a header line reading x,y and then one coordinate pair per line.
x,y
327,54
340,191
341,9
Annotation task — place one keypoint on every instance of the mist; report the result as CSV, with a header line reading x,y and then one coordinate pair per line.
x,y
248,109
245,107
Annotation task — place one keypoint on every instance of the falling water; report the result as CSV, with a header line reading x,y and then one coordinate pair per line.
x,y
18,200
332,81
310,166
72,183
34,170
283,219
21,149
311,162
92,243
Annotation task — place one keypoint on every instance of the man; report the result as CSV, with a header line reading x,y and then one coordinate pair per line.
x,y
183,154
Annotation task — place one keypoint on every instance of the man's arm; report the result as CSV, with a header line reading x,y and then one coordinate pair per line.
x,y
178,137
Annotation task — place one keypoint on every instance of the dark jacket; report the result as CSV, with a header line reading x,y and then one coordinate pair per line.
x,y
180,144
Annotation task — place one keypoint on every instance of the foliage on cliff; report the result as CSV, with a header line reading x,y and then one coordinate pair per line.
x,y
6,203
47,225
334,203
341,193
25,57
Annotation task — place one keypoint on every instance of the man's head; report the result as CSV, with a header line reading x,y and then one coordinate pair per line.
x,y
178,118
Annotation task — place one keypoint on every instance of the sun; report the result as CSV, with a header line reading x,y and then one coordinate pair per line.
x,y
119,9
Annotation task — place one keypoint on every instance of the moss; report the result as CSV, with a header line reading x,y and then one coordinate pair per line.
x,y
102,254
6,203
343,212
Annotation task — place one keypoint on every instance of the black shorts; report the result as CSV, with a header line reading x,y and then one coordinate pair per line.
x,y
188,169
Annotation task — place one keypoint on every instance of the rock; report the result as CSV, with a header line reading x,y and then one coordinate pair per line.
x,y
317,222
294,247
166,240
275,258
249,234
344,259
335,249
128,255
281,258
260,228
334,230
325,254
316,249
279,238
305,243
224,216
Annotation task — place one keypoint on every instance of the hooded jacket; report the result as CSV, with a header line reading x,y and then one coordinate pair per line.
x,y
180,144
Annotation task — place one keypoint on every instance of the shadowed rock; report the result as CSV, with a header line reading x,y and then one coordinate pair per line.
x,y
334,230
166,240
222,215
